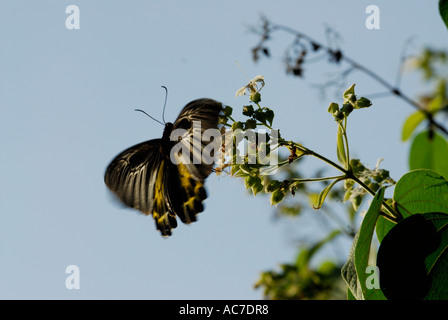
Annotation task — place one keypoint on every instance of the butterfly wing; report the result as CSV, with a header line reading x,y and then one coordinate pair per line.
x,y
195,118
141,177
133,173
144,178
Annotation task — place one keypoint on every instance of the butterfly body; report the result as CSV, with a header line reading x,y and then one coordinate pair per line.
x,y
145,178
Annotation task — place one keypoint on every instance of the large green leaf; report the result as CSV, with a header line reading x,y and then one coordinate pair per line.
x,y
413,258
418,191
354,270
383,226
421,191
429,151
443,9
411,123
424,192
437,262
348,273
401,258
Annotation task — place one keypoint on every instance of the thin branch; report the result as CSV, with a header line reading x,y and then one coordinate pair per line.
x,y
337,56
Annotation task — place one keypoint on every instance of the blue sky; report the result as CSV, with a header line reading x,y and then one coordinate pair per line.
x,y
66,109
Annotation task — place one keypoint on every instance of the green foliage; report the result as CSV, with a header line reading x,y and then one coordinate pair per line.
x,y
421,191
418,191
422,274
436,263
319,201
443,9
411,124
354,270
412,257
429,150
302,281
404,225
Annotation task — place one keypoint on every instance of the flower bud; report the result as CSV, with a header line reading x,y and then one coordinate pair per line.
x,y
348,184
356,202
347,108
255,97
248,110
272,186
339,116
362,103
251,124
349,92
227,111
333,108
277,196
250,181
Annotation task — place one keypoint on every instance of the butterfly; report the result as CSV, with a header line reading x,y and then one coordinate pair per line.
x,y
145,178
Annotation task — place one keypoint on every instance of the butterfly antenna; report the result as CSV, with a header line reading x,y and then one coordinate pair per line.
x,y
149,116
242,70
164,105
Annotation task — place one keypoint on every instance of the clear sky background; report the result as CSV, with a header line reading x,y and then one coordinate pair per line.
x,y
66,109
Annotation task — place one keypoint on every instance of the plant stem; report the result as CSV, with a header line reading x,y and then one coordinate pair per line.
x,y
318,179
346,142
392,215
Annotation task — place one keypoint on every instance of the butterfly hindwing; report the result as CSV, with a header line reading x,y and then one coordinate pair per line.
x,y
143,177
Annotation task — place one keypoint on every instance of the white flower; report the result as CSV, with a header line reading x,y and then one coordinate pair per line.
x,y
252,86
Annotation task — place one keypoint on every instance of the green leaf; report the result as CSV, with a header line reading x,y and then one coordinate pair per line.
x,y
443,9
342,155
350,295
257,186
383,226
272,186
363,245
437,262
269,116
260,115
411,123
429,152
421,191
402,256
418,191
319,201
348,273
354,270
249,181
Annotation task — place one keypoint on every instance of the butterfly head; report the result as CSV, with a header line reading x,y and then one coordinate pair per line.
x,y
167,131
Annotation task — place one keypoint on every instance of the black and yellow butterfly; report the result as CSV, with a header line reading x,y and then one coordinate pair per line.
x,y
143,177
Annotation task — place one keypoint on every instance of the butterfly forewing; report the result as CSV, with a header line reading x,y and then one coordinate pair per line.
x,y
132,174
144,178
197,117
